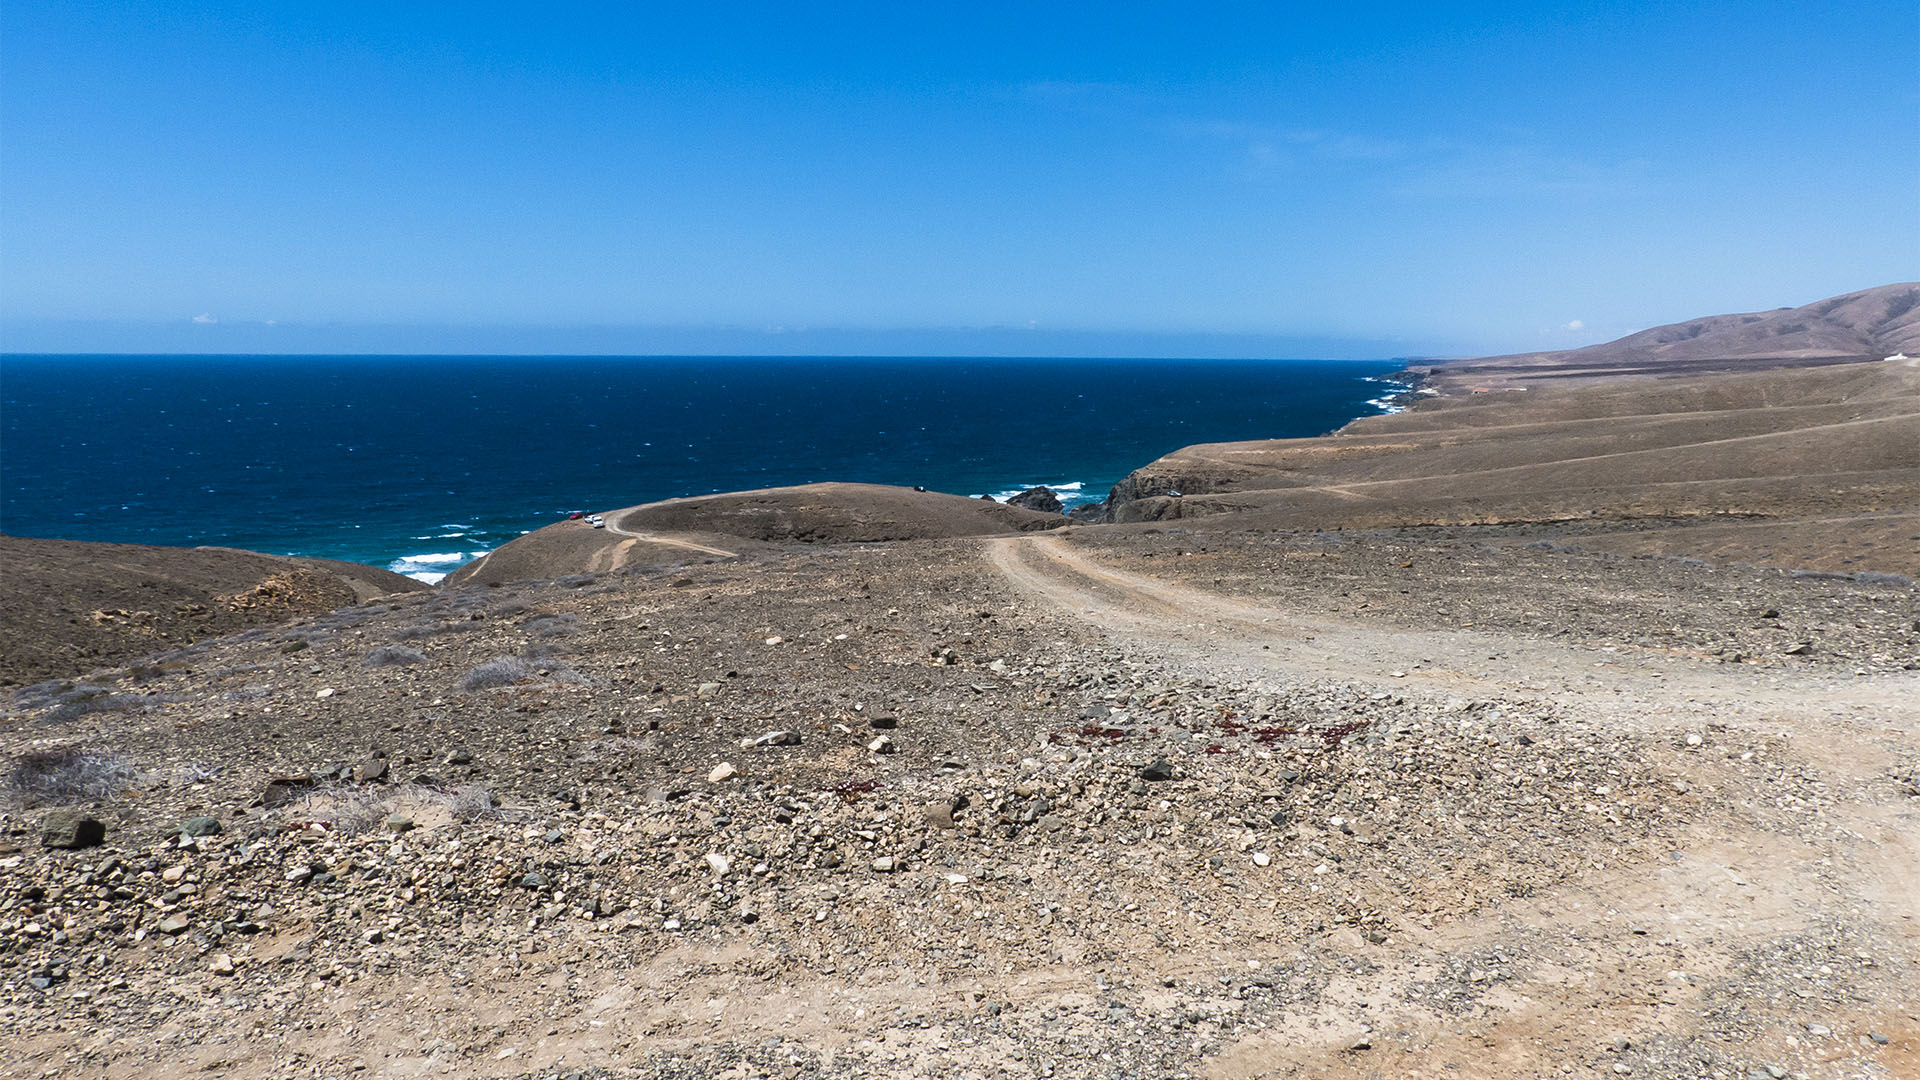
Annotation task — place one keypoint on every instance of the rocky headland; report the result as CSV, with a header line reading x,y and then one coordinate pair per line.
x,y
1572,730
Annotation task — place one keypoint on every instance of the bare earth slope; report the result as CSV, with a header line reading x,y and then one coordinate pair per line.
x,y
1808,467
67,606
739,522
1147,802
1871,324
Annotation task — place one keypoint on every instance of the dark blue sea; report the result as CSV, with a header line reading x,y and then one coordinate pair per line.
x,y
422,463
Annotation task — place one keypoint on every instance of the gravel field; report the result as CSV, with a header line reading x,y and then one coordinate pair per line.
x,y
1113,802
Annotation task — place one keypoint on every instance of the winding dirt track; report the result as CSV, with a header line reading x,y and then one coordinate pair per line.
x,y
617,525
1735,884
1235,634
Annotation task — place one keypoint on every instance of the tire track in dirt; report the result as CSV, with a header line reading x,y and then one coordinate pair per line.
x,y
1644,689
1588,978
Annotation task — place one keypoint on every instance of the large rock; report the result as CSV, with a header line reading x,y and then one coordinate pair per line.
x,y
71,829
1037,498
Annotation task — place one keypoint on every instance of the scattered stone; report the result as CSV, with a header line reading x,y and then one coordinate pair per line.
x,y
399,823
221,964
722,771
1157,770
71,830
940,814
175,924
778,738
201,826
282,790
718,863
885,864
882,745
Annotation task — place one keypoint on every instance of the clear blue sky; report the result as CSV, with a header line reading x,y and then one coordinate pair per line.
x,y
903,177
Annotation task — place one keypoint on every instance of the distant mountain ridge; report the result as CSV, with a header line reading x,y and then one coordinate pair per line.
x,y
1867,325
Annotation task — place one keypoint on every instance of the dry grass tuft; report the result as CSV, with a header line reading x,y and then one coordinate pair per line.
x,y
67,774
501,671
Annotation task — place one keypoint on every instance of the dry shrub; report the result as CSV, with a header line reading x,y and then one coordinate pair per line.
x,y
346,810
552,625
471,802
501,671
67,774
392,656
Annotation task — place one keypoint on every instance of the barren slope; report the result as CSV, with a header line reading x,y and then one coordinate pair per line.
x,y
1128,803
67,606
1799,458
717,526
1871,324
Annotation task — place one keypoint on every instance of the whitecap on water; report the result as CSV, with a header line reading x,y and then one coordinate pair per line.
x,y
1070,494
432,566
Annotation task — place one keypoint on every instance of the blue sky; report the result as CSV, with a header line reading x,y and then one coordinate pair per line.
x,y
1156,180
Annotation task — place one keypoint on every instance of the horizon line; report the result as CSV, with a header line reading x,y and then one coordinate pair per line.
x,y
1423,358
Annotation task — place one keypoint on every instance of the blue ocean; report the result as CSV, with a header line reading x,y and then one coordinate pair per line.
x,y
422,463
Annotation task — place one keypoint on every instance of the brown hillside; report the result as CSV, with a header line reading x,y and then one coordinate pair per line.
x,y
68,606
719,526
1821,465
1871,324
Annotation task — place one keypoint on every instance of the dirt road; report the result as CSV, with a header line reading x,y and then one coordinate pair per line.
x,y
1621,954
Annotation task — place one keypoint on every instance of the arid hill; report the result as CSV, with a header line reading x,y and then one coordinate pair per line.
x,y
1871,324
719,526
67,606
1808,467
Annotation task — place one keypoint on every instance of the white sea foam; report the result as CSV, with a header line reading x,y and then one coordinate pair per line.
x,y
1071,494
1388,404
432,566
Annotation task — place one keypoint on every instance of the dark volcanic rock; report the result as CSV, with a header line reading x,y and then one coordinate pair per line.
x,y
1037,498
200,826
72,829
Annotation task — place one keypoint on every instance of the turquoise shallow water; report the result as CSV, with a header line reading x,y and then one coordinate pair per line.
x,y
420,463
